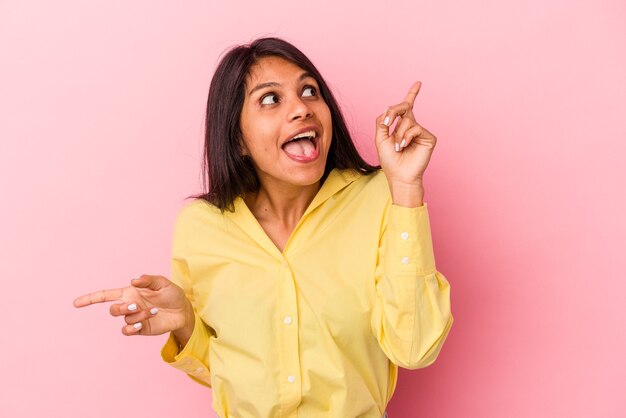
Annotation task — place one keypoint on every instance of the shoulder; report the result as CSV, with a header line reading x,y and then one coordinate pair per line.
x,y
375,182
196,213
195,221
370,189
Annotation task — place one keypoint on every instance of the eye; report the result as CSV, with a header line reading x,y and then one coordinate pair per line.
x,y
313,90
266,102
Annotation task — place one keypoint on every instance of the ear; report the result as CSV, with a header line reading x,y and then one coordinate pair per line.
x,y
243,150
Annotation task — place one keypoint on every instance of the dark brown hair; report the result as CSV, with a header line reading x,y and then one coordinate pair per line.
x,y
225,173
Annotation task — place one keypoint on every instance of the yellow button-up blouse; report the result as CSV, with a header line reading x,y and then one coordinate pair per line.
x,y
320,329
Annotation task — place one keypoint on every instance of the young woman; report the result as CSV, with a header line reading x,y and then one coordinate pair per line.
x,y
304,276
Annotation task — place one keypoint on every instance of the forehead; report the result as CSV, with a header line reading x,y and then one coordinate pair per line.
x,y
272,68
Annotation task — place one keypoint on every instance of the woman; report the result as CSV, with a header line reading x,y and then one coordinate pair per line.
x,y
304,277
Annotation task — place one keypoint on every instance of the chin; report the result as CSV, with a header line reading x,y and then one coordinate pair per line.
x,y
306,175
307,179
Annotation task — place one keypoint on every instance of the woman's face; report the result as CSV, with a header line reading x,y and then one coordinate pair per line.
x,y
281,101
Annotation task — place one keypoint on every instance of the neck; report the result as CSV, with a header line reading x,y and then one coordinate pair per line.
x,y
283,204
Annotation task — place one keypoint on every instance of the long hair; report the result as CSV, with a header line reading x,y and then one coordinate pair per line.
x,y
225,173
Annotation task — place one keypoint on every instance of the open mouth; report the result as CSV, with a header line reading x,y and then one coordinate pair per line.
x,y
304,147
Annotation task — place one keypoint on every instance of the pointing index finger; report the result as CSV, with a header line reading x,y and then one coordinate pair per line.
x,y
413,92
98,297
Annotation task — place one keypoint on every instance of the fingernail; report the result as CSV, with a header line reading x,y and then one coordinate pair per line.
x,y
386,121
397,147
403,143
132,307
153,311
137,325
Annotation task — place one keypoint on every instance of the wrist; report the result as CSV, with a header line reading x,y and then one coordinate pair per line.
x,y
183,334
410,195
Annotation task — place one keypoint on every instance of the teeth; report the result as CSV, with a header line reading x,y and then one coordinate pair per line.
x,y
304,135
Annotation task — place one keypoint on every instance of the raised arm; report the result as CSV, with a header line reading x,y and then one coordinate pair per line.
x,y
412,316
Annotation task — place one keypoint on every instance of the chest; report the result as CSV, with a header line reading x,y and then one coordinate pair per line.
x,y
324,282
277,233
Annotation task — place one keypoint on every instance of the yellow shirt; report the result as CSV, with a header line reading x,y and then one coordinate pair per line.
x,y
320,329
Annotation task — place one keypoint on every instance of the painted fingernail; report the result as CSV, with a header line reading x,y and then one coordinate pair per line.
x,y
397,147
137,325
386,121
132,307
154,311
403,143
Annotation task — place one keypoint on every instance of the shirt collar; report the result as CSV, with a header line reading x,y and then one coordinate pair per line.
x,y
336,181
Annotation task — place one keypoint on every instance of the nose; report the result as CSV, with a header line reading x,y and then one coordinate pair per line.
x,y
299,110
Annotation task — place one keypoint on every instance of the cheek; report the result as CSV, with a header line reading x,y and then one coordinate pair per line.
x,y
327,116
261,149
328,124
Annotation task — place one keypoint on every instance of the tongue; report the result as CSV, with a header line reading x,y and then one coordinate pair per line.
x,y
299,147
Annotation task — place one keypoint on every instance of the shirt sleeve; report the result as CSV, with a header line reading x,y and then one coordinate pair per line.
x,y
193,359
411,317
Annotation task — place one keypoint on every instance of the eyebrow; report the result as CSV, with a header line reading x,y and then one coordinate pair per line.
x,y
304,75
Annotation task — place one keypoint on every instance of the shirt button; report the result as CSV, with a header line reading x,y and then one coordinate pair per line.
x,y
291,379
287,320
405,235
199,369
405,260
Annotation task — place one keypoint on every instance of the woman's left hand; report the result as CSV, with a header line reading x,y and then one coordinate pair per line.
x,y
405,153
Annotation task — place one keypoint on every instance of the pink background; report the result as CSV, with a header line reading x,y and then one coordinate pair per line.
x,y
100,141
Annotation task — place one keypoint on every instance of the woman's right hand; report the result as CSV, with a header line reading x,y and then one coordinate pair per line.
x,y
151,305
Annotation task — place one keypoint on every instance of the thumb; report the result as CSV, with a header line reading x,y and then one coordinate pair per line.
x,y
382,128
149,282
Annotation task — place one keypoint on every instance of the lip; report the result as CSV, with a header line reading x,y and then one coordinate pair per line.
x,y
299,131
307,159
316,143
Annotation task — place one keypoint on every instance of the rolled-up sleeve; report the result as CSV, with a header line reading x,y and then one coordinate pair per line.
x,y
411,317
